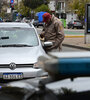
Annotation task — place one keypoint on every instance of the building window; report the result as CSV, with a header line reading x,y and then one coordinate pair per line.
x,y
61,5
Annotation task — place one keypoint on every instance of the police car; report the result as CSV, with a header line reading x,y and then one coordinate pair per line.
x,y
70,72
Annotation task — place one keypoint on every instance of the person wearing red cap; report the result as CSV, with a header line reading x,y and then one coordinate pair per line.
x,y
53,31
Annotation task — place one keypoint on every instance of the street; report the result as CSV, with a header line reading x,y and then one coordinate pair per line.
x,y
28,70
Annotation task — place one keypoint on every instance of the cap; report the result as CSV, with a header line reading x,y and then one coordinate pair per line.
x,y
46,16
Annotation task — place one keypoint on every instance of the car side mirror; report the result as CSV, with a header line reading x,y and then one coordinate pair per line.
x,y
48,43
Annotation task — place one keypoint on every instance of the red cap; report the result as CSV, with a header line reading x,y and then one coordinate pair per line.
x,y
46,16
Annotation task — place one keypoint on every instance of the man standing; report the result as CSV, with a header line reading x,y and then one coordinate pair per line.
x,y
53,31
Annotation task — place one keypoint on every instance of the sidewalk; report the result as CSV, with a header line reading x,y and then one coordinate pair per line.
x,y
76,42
75,39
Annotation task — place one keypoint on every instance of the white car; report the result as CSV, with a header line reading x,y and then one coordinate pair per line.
x,y
20,48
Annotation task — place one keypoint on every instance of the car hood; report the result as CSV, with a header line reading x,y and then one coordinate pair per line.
x,y
20,55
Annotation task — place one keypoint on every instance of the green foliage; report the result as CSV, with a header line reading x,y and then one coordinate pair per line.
x,y
25,11
26,6
33,4
43,8
2,14
74,5
78,6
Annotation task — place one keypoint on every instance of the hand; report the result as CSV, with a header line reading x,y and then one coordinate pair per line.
x,y
41,35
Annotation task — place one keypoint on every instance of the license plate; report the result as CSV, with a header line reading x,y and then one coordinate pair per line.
x,y
12,75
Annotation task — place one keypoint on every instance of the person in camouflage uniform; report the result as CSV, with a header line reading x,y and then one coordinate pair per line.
x,y
53,31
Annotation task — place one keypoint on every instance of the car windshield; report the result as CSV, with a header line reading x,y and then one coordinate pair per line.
x,y
18,36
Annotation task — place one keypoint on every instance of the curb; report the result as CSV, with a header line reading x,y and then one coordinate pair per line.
x,y
74,46
73,36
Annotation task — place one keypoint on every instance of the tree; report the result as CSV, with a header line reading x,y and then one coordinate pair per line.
x,y
2,14
43,8
1,5
25,11
3,9
78,6
33,4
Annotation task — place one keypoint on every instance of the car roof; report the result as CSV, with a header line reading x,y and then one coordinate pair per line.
x,y
15,24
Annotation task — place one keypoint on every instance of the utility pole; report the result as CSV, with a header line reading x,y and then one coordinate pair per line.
x,y
56,2
17,2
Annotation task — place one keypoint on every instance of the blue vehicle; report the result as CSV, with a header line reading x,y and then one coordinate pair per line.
x,y
68,64
40,14
39,21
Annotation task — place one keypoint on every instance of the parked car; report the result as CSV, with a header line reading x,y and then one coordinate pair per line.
x,y
20,48
75,24
37,23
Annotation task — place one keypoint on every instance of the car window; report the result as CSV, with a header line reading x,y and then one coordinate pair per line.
x,y
70,22
18,36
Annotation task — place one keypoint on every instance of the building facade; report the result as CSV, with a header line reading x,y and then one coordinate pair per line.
x,y
61,8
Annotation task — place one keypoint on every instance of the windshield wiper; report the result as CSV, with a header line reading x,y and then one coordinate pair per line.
x,y
16,45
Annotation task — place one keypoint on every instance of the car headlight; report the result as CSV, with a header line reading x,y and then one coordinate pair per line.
x,y
36,65
41,61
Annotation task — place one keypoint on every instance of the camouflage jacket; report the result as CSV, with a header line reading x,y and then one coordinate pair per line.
x,y
54,32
